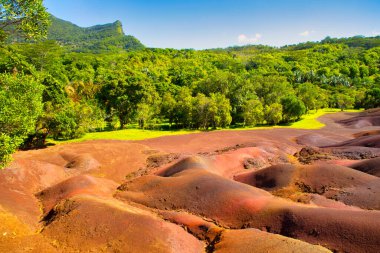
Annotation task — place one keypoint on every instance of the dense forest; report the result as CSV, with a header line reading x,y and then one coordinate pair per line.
x,y
91,79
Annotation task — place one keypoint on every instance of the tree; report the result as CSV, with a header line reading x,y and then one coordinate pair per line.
x,y
344,101
272,88
27,18
292,108
372,98
121,92
202,111
220,110
214,111
184,107
273,113
308,94
21,104
253,112
72,119
168,106
144,114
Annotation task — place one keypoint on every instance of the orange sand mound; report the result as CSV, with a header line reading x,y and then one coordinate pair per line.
x,y
371,166
236,205
332,181
181,193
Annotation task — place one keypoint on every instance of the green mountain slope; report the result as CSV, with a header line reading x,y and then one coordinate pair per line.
x,y
99,38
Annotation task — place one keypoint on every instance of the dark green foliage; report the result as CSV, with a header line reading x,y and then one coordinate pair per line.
x,y
71,120
21,105
343,101
273,113
25,19
292,108
372,98
356,41
253,112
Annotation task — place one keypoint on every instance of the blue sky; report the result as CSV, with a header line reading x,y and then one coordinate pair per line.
x,y
203,24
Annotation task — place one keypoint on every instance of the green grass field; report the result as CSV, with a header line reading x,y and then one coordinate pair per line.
x,y
308,121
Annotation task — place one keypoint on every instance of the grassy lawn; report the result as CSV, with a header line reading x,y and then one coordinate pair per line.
x,y
126,134
308,121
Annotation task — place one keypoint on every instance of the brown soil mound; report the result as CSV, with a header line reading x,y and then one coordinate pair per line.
x,y
230,162
365,119
234,162
17,237
104,158
178,193
184,164
272,178
21,181
366,133
332,181
256,241
196,189
236,205
371,166
78,185
351,152
83,163
361,122
110,226
241,240
315,140
370,141
321,201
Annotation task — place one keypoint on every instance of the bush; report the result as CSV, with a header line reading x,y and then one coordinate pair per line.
x,y
21,105
253,112
72,120
292,108
372,98
8,146
273,113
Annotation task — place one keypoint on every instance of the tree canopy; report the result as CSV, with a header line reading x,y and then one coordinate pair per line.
x,y
26,18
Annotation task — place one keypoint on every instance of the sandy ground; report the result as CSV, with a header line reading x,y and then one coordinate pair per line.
x,y
274,190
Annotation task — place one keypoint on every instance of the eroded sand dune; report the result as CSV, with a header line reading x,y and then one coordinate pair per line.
x,y
275,190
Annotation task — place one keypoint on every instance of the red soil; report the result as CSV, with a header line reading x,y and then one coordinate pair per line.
x,y
371,166
235,205
200,192
364,119
332,181
91,224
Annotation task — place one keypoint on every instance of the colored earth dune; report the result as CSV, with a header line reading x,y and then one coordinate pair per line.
x,y
269,190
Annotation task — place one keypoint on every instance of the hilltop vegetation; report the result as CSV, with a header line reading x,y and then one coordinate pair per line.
x,y
99,38
95,39
91,83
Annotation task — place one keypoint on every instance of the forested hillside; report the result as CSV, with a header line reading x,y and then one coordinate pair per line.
x,y
77,92
94,39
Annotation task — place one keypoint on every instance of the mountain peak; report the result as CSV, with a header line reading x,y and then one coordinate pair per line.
x,y
119,27
96,38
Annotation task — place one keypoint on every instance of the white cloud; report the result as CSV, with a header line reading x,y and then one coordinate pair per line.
x,y
244,39
305,33
375,33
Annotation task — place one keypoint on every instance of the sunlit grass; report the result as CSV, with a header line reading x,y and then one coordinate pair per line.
x,y
126,134
308,121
